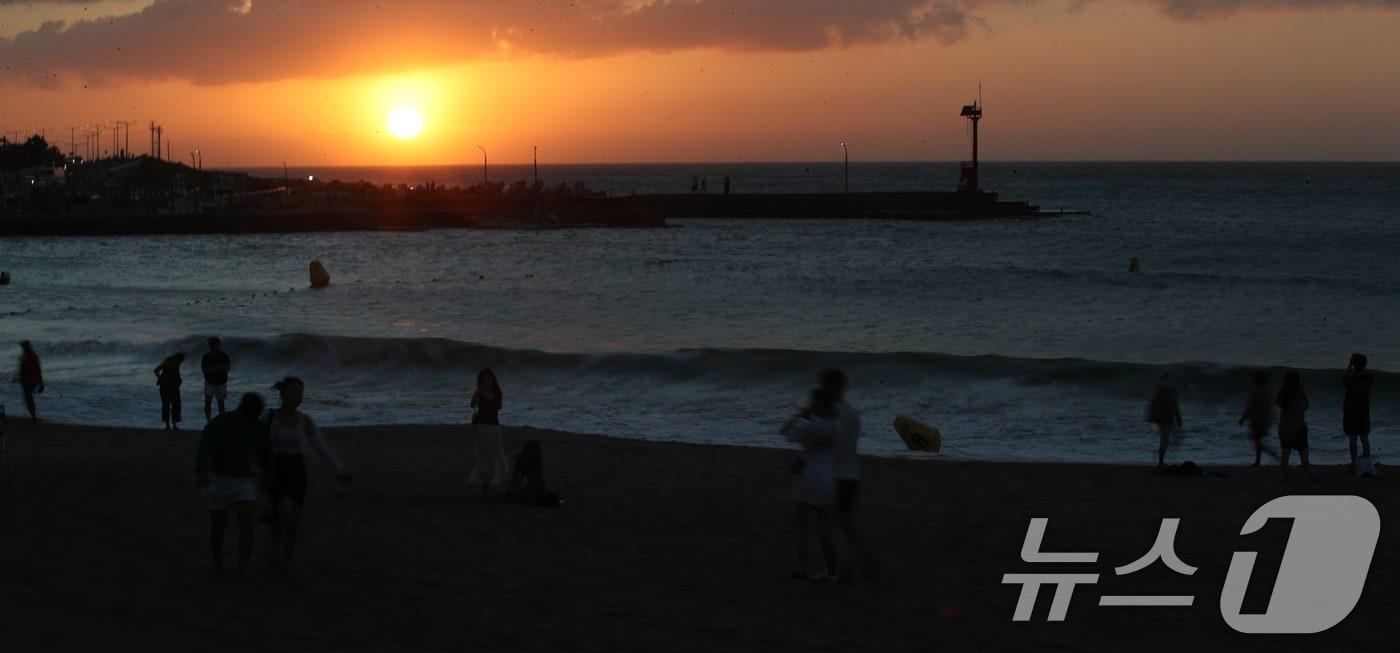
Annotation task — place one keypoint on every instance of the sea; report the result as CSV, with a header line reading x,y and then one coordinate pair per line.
x,y
1018,339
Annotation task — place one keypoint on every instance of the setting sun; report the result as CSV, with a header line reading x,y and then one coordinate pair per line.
x,y
405,122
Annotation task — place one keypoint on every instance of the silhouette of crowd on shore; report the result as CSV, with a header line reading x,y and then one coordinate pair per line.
x,y
253,451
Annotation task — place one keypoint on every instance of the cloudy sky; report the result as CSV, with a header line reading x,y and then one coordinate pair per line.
x,y
253,82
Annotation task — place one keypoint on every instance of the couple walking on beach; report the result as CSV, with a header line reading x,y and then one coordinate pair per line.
x,y
233,444
827,475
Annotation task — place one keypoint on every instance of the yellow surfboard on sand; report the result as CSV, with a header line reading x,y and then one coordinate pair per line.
x,y
918,435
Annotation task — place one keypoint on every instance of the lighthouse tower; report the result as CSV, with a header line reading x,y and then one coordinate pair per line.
x,y
967,182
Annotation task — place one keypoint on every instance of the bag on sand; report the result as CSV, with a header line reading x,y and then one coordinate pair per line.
x,y
1364,467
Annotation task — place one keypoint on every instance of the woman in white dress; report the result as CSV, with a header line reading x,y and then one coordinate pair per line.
x,y
814,485
491,466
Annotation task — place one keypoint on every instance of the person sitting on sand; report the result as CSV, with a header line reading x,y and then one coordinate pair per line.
x,y
1356,406
227,448
1292,427
291,432
31,377
490,464
527,478
1164,410
814,487
168,380
1259,412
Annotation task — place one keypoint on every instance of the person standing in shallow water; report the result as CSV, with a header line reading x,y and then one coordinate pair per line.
x,y
291,432
1164,410
168,380
31,378
228,446
1292,427
490,466
1259,412
215,365
1356,406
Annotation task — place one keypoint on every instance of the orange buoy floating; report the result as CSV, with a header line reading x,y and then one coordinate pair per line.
x,y
319,277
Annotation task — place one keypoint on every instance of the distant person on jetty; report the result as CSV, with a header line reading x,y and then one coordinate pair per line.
x,y
215,365
1292,427
228,447
490,466
1356,406
846,469
814,486
291,433
31,377
168,380
1164,410
1259,412
726,184
702,186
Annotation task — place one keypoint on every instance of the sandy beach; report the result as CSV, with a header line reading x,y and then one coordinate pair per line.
x,y
659,547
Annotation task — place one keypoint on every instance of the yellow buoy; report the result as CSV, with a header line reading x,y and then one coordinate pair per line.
x,y
319,277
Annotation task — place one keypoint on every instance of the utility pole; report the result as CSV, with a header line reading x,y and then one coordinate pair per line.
x,y
537,165
846,154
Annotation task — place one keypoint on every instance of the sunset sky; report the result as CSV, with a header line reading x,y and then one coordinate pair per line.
x,y
254,82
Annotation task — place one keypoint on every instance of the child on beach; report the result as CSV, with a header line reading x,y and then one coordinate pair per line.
x,y
168,380
490,462
814,487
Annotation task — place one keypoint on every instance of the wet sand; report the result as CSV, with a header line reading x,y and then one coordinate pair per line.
x,y
660,547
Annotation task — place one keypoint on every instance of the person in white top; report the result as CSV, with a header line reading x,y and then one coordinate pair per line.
x,y
291,432
813,486
846,470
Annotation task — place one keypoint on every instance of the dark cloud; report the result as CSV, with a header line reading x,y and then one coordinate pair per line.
x,y
1197,9
219,41
223,41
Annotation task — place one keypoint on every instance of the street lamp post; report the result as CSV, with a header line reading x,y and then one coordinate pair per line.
x,y
484,178
846,154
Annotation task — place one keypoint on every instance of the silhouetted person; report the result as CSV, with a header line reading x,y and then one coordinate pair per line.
x,y
31,377
726,184
1164,410
1292,427
490,466
694,184
814,488
228,446
527,478
846,470
1259,412
702,186
1356,406
168,380
215,365
291,433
